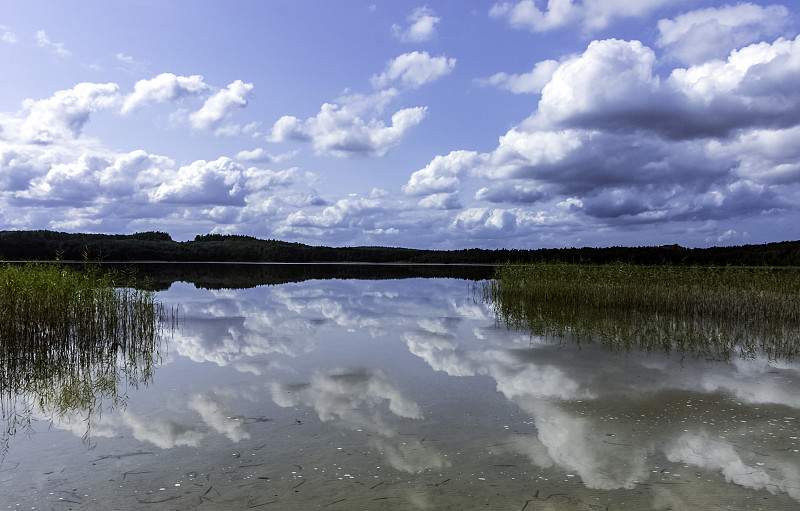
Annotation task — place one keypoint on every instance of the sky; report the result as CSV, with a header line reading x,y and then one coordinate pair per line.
x,y
440,125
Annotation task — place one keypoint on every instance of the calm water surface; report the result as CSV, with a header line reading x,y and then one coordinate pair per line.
x,y
404,394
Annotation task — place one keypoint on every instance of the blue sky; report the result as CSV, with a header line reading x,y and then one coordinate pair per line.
x,y
517,124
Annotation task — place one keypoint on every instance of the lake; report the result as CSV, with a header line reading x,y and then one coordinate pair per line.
x,y
391,387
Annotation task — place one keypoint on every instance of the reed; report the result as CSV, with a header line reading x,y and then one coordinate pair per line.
x,y
711,311
71,338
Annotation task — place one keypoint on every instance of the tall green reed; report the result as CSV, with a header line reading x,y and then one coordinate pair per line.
x,y
717,312
71,338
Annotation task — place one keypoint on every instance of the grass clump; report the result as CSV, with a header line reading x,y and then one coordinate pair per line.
x,y
707,311
70,337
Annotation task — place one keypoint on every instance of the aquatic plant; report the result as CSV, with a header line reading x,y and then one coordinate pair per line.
x,y
71,338
710,311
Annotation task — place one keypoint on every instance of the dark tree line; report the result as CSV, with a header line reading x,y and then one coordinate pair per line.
x,y
159,246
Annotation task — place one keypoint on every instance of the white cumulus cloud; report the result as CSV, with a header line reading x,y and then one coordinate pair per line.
x,y
422,26
206,182
164,87
63,115
625,68
698,36
340,130
221,106
441,174
414,69
482,222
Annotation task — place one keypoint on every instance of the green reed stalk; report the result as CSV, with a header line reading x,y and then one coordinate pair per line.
x,y
698,310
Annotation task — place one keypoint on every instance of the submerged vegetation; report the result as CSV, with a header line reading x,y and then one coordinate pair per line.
x,y
70,338
706,311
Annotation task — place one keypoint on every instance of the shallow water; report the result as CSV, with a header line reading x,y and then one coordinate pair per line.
x,y
403,394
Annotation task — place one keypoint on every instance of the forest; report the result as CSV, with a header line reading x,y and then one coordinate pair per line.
x,y
43,245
